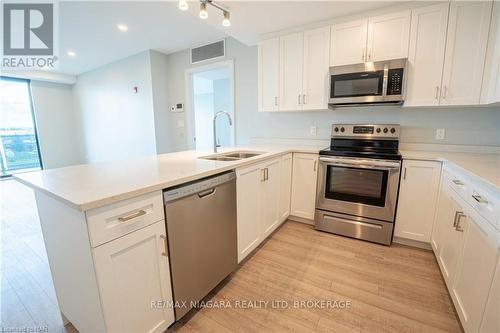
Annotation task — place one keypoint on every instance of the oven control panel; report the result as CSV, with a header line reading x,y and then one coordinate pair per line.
x,y
390,131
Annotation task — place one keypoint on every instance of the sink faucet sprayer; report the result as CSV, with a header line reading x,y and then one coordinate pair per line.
x,y
215,126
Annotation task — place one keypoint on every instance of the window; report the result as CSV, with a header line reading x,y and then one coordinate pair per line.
x,y
19,149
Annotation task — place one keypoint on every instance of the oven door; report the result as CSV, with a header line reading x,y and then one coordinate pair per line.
x,y
360,187
360,87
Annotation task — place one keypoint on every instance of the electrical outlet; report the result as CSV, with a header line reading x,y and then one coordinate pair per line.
x,y
440,133
313,130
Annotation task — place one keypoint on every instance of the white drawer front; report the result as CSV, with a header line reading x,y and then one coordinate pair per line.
x,y
118,219
460,184
486,203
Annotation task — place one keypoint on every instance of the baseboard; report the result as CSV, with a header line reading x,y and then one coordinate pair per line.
x,y
412,243
300,219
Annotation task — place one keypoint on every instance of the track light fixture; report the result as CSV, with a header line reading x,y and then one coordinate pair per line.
x,y
183,5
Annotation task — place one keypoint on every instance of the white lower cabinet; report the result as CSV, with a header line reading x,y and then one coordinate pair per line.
x,y
475,271
133,273
466,246
418,194
304,178
260,204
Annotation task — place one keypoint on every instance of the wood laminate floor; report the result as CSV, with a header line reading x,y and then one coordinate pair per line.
x,y
390,289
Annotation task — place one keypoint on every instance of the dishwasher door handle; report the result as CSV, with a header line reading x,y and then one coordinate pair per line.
x,y
206,193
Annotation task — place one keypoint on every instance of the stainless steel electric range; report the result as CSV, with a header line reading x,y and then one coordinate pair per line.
x,y
358,182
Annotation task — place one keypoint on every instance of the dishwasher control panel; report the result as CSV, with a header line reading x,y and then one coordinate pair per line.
x,y
197,186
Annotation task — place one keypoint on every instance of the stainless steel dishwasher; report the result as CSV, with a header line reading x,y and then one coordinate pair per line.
x,y
201,229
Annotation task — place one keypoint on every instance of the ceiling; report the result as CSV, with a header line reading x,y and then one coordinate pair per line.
x,y
90,28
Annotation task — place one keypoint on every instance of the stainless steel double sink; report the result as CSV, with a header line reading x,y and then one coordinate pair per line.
x,y
233,155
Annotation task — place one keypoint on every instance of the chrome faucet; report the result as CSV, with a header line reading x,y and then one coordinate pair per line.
x,y
215,127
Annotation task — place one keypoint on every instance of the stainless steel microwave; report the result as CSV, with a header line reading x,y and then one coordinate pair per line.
x,y
371,83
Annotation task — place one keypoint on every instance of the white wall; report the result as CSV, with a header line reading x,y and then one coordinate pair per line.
x,y
56,124
159,81
115,122
464,126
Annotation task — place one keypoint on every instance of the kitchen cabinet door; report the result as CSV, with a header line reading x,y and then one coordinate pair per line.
x,y
490,92
248,201
476,269
285,186
269,84
465,52
388,36
452,241
445,213
491,319
132,272
291,71
348,43
304,177
270,194
426,55
419,184
316,69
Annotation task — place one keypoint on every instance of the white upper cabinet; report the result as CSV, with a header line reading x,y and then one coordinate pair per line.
x,y
316,69
269,74
417,200
490,93
348,43
426,55
291,71
465,52
388,36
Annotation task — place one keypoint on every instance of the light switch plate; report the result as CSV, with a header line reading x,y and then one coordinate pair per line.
x,y
313,130
440,134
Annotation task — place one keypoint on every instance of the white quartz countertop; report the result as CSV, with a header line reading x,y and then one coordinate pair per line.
x,y
89,186
484,166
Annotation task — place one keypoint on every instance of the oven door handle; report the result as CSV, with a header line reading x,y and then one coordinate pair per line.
x,y
376,165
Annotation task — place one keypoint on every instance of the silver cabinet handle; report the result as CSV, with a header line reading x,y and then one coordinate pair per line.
x,y
445,90
263,175
458,182
458,227
275,100
304,99
363,54
165,245
315,165
299,99
437,92
455,219
132,216
479,199
404,174
266,174
369,54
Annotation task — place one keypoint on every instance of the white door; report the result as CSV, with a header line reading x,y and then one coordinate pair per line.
x,y
418,194
426,55
270,197
465,52
285,186
388,36
475,274
490,91
452,240
491,319
304,176
291,63
269,74
132,274
248,198
316,69
348,43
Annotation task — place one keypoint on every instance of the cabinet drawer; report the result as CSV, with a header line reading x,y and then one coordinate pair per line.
x,y
118,219
459,184
486,203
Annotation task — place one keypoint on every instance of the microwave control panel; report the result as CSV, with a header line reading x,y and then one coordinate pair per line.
x,y
395,81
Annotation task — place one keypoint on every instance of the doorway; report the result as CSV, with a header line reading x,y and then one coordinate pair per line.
x,y
210,90
19,148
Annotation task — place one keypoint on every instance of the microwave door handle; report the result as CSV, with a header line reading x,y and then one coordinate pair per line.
x,y
385,81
